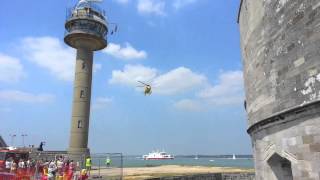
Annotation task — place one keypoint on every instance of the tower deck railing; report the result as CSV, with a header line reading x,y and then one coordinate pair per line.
x,y
93,15
94,9
88,30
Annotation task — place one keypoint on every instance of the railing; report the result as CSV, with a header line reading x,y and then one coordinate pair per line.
x,y
86,30
112,170
88,11
80,20
85,14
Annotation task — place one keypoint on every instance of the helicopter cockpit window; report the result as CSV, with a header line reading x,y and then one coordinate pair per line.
x,y
83,5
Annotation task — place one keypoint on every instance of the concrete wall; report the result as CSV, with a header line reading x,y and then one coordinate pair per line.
x,y
280,41
81,102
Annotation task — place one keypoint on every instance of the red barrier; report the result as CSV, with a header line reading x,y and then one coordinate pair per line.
x,y
20,174
7,176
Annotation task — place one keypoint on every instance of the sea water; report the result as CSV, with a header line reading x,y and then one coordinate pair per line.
x,y
129,161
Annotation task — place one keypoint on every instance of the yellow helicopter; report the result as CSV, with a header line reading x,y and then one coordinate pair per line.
x,y
147,88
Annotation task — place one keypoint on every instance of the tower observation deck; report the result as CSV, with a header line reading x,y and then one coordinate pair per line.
x,y
86,30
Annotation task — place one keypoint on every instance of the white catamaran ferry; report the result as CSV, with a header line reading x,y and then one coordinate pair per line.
x,y
157,155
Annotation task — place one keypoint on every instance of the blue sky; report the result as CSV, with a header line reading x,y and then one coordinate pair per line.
x,y
187,49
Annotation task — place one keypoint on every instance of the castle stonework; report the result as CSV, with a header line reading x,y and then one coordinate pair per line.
x,y
280,41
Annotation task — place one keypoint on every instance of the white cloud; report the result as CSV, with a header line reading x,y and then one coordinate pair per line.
x,y
177,4
188,105
122,1
97,67
20,96
131,74
51,54
126,53
151,7
102,102
11,69
229,90
176,81
157,7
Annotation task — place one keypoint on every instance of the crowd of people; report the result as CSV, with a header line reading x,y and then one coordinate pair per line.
x,y
12,166
61,168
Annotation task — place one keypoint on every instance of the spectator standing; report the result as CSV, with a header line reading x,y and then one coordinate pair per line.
x,y
88,164
108,162
8,164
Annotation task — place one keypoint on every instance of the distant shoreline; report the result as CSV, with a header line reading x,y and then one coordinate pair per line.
x,y
242,162
239,156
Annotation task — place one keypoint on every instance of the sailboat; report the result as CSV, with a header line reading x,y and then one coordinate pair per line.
x,y
234,157
196,157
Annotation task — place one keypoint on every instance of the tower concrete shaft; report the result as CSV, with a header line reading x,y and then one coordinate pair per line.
x,y
86,31
81,102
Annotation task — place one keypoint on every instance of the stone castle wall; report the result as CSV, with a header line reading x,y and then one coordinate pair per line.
x,y
280,41
296,139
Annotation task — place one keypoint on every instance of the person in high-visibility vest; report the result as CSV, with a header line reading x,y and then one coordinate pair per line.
x,y
108,162
88,164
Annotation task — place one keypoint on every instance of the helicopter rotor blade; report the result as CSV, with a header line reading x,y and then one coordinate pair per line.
x,y
96,1
143,83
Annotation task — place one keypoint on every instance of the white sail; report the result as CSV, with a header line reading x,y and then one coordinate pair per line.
x,y
234,157
196,157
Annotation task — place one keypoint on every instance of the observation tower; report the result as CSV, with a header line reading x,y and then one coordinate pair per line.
x,y
86,30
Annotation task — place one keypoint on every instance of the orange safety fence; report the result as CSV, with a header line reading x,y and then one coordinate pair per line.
x,y
19,174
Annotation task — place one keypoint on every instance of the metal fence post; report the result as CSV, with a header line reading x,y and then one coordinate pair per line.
x,y
121,157
99,167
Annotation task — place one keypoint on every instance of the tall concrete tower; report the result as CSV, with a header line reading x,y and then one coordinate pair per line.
x,y
86,31
280,41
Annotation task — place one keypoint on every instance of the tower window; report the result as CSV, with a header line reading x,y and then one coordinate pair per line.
x,y
84,66
82,94
80,124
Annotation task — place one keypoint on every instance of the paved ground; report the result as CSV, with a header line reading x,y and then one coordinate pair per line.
x,y
169,170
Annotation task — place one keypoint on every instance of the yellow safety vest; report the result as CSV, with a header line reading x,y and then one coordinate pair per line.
x,y
88,162
108,161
